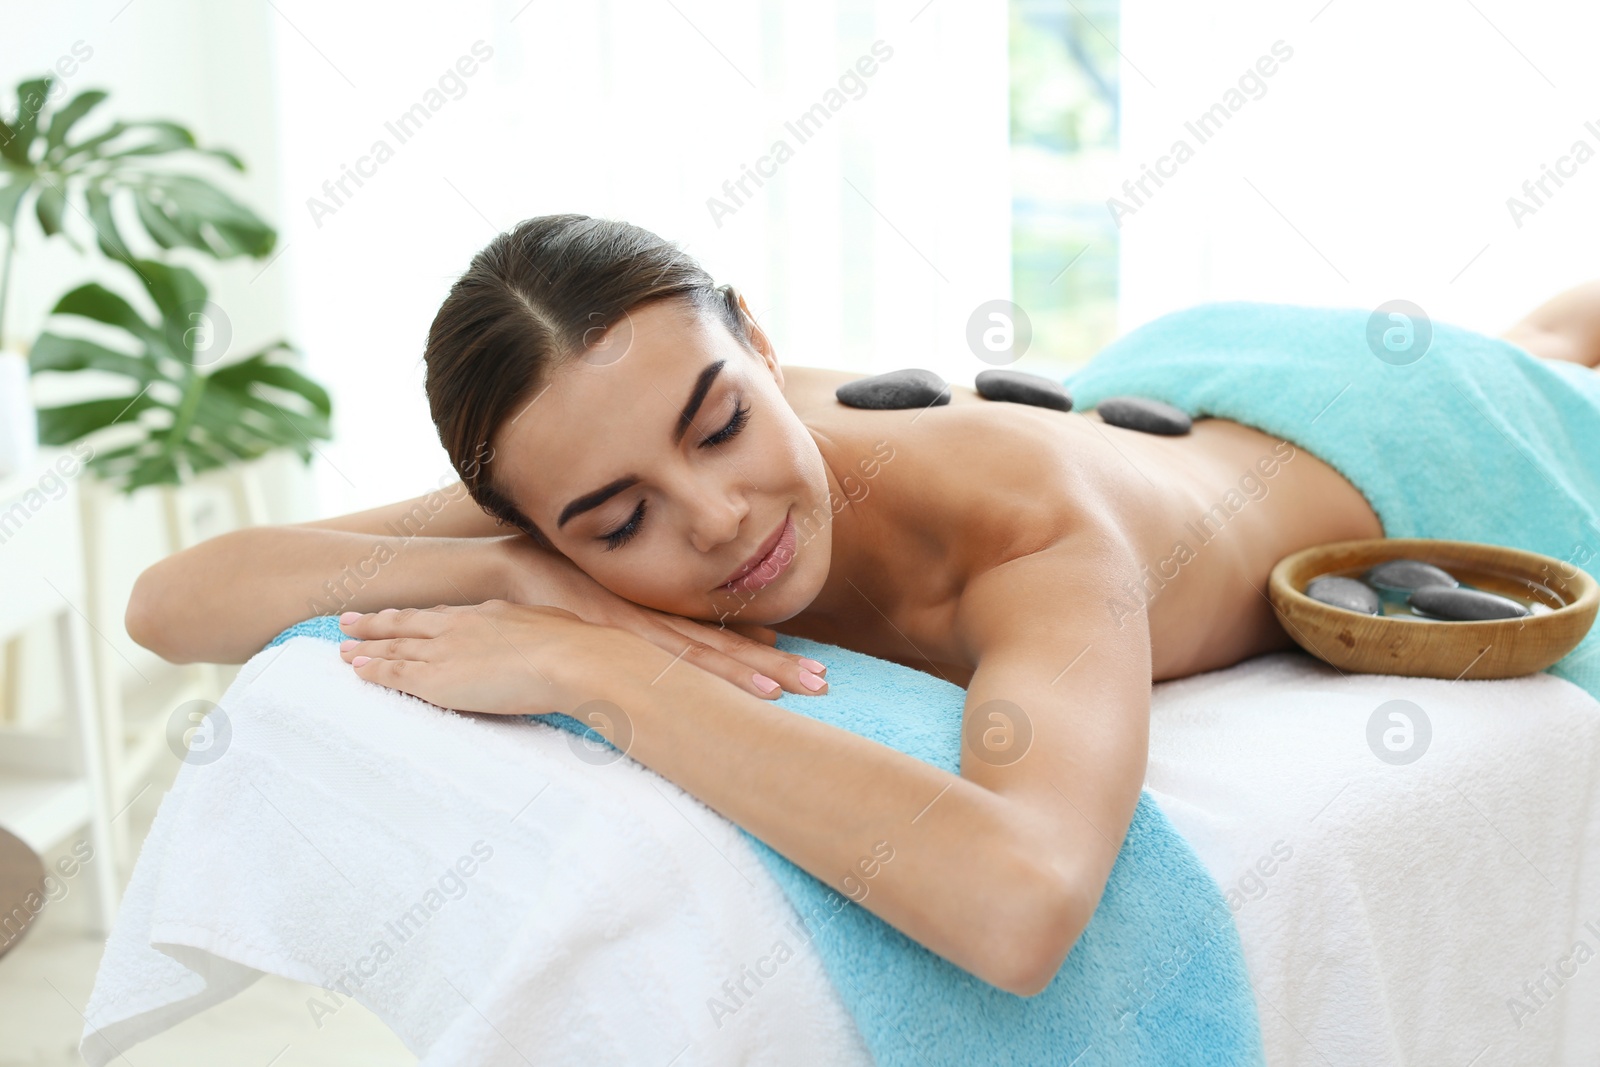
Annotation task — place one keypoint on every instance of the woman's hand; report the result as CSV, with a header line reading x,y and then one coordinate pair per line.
x,y
738,653
496,658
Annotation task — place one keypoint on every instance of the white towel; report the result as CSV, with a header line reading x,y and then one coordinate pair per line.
x,y
603,909
1389,913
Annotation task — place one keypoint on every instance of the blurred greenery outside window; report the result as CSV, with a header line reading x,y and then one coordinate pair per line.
x,y
1064,123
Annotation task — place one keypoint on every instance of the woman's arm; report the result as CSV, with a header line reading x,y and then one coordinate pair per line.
x,y
1062,689
997,870
223,599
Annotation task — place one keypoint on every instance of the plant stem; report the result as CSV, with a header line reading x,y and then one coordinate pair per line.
x,y
5,280
181,422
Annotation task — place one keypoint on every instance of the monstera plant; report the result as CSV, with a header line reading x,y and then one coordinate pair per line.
x,y
187,404
185,415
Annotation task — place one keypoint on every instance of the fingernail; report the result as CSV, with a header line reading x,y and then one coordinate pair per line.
x,y
811,681
813,666
765,684
349,617
359,660
346,646
386,611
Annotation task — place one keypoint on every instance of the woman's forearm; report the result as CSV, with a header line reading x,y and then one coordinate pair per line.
x,y
955,866
223,599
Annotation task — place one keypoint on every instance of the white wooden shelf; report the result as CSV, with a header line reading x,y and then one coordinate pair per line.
x,y
54,783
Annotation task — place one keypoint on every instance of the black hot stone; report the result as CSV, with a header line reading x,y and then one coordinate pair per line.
x,y
1346,593
909,388
1019,387
1405,575
1143,414
1465,605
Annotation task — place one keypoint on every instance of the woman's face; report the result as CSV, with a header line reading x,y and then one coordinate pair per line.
x,y
665,460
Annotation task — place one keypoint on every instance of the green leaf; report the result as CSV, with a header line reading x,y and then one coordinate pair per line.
x,y
284,417
259,369
11,147
174,289
105,224
227,157
115,457
157,225
307,426
159,469
91,146
240,241
55,352
70,422
63,121
168,137
31,97
95,301
209,219
246,433
243,410
50,206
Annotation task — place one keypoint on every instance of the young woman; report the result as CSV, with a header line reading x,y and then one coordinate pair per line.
x,y
676,493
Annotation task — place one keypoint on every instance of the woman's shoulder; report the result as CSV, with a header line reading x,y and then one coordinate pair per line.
x,y
981,473
810,390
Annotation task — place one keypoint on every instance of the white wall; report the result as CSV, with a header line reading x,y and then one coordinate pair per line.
x,y
627,108
207,66
640,110
1390,141
203,65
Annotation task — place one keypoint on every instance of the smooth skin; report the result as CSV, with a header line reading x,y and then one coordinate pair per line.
x,y
998,546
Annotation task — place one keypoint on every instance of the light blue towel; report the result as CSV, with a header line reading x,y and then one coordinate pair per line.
x,y
1476,440
1157,979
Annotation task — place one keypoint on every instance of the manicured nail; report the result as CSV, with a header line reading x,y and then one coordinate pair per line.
x,y
813,666
349,617
359,660
346,646
811,681
765,684
386,611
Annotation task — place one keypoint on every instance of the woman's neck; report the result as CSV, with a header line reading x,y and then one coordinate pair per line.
x,y
861,537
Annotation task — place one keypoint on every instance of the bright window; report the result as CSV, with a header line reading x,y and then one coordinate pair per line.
x,y
1064,129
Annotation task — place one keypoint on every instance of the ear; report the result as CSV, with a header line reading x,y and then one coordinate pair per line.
x,y
759,339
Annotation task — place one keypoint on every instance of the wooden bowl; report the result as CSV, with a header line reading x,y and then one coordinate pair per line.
x,y
1437,648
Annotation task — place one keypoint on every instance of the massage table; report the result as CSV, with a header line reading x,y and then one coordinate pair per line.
x,y
499,891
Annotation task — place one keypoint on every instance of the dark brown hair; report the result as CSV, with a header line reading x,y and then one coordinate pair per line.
x,y
531,301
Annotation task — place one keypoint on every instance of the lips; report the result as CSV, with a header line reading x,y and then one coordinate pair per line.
x,y
774,555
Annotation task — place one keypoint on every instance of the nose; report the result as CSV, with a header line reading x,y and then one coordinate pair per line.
x,y
716,513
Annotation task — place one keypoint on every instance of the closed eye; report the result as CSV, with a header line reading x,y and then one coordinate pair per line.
x,y
630,529
741,416
627,531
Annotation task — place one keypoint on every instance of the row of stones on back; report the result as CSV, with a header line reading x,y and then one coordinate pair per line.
x,y
1428,589
918,388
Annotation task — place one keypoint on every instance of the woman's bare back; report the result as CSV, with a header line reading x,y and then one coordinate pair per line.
x,y
972,484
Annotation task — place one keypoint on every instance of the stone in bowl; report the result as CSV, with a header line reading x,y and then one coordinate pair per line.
x,y
1424,647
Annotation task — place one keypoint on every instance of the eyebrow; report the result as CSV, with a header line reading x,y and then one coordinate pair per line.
x,y
589,501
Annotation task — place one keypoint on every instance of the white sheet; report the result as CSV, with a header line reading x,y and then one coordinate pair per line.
x,y
1405,904
1417,898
